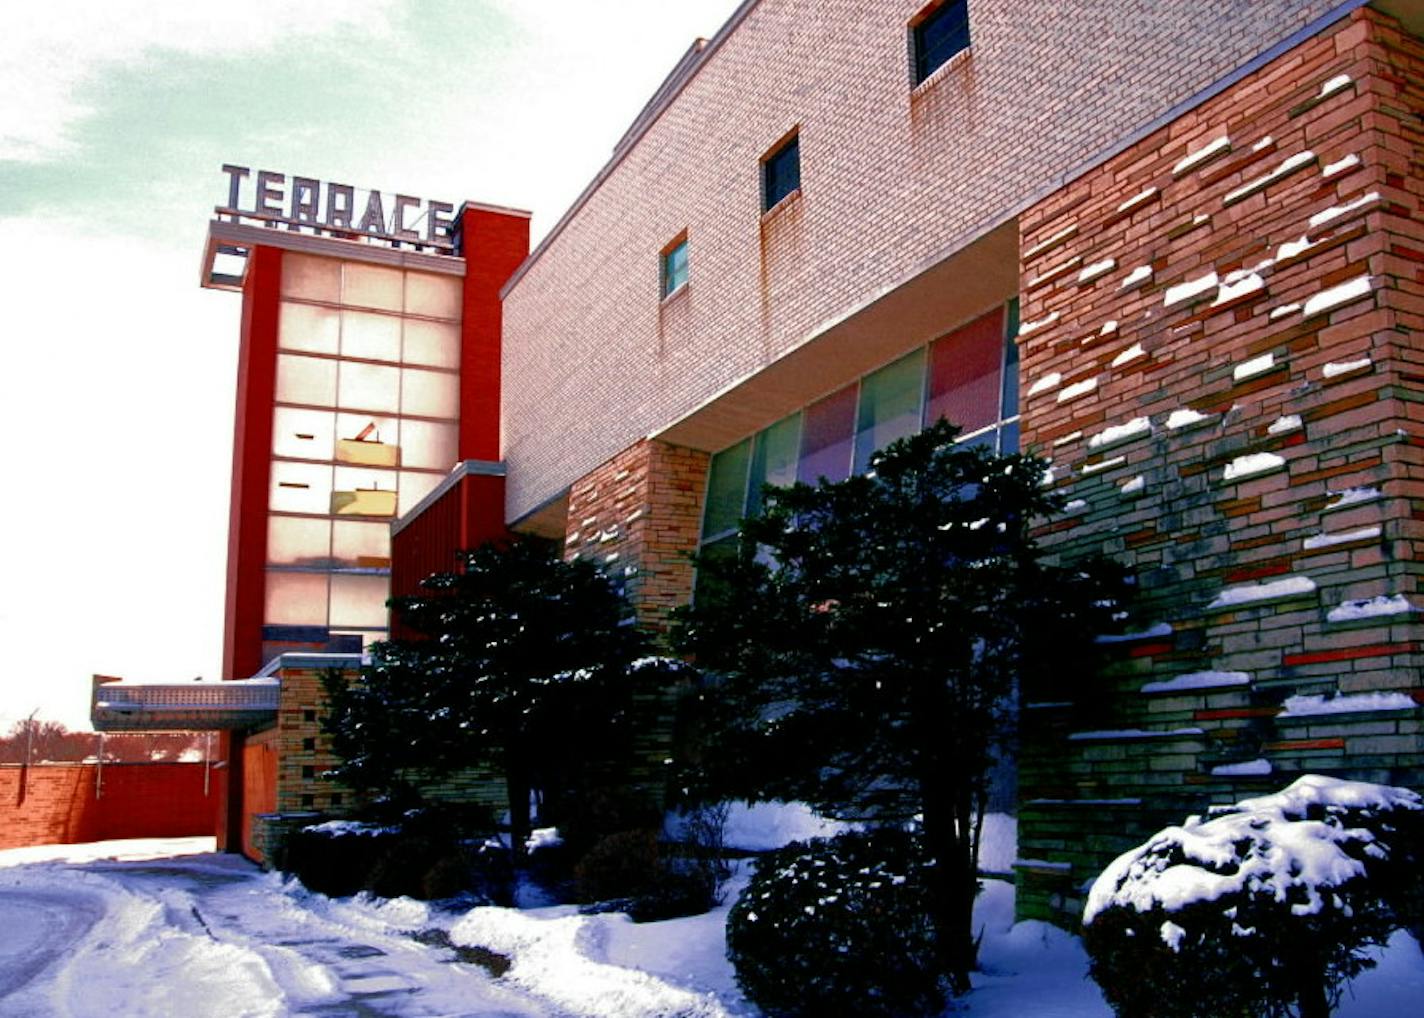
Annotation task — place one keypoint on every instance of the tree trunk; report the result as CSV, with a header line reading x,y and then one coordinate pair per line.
x,y
1311,996
516,783
952,883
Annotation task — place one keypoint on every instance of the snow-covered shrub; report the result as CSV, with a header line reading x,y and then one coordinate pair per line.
x,y
1266,908
837,927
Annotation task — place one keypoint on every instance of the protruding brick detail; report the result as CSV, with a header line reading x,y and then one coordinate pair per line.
x,y
639,516
1262,316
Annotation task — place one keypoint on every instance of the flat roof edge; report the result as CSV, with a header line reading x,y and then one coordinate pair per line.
x,y
642,123
461,470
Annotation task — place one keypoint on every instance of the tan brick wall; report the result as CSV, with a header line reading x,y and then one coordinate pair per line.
x,y
893,179
303,753
639,516
1320,189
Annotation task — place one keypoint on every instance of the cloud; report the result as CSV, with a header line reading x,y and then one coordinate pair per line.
x,y
53,54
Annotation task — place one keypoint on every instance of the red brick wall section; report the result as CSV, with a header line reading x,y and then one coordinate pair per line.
x,y
64,804
893,178
1220,355
639,516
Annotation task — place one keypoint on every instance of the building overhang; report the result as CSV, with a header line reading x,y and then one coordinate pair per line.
x,y
229,243
120,706
463,469
978,277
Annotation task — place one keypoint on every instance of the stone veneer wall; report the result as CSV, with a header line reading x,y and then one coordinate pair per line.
x,y
1220,356
639,515
303,753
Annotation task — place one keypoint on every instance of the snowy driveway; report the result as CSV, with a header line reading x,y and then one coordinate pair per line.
x,y
207,934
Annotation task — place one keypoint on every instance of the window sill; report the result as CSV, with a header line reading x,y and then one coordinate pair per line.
x,y
940,73
788,200
677,293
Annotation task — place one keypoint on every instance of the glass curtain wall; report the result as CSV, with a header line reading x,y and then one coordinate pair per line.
x,y
365,424
969,376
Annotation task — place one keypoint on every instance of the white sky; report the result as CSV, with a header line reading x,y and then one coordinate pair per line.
x,y
117,370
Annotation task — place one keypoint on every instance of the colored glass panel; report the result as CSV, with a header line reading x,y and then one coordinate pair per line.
x,y
369,387
890,402
429,445
429,393
827,437
295,599
774,459
361,545
965,374
359,601
727,489
300,487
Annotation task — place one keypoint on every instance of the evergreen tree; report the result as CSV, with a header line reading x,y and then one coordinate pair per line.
x,y
865,641
523,665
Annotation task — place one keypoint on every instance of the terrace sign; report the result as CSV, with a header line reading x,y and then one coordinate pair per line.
x,y
325,207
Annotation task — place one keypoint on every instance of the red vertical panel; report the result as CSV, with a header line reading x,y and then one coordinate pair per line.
x,y
484,510
494,244
251,464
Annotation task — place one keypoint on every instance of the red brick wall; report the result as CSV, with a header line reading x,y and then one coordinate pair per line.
x,y
893,180
1321,395
60,804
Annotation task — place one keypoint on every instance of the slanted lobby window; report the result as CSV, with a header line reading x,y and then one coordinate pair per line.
x,y
674,269
781,171
938,33
970,375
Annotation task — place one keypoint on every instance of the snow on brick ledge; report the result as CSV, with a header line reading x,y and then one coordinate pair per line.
x,y
1245,769
1252,464
1327,540
1254,593
1133,735
1154,632
1370,608
1329,300
1115,433
1198,680
1353,703
1350,496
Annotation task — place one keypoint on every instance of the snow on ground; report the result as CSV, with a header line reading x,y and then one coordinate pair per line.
x,y
164,928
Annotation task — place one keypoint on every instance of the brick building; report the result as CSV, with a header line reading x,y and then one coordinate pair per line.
x,y
1173,247
825,230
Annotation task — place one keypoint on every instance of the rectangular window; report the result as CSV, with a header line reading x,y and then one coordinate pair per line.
x,y
675,265
941,31
781,172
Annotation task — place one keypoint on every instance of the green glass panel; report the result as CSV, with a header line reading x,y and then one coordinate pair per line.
x,y
889,406
774,459
726,489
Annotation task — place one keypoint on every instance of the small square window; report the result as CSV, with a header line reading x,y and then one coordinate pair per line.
x,y
940,32
781,172
675,265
